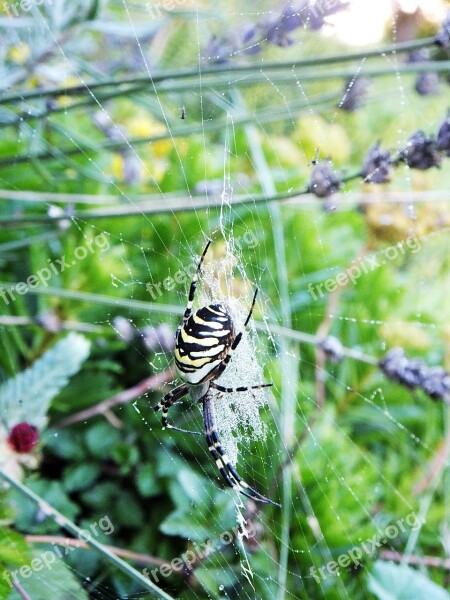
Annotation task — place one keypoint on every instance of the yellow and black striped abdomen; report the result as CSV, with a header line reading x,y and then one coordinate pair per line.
x,y
202,343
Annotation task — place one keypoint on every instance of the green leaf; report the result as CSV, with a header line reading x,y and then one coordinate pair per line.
x,y
63,443
29,518
389,581
101,438
210,579
13,548
100,495
80,477
51,579
194,486
125,455
146,482
27,396
182,524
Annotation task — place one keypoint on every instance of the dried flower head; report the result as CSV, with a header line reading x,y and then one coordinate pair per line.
x,y
420,152
157,339
413,373
377,166
443,136
332,348
443,36
427,83
355,91
219,51
324,181
124,329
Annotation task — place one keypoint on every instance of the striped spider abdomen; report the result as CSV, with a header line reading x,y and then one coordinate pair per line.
x,y
202,343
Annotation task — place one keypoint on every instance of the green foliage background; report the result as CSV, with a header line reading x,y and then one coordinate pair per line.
x,y
371,442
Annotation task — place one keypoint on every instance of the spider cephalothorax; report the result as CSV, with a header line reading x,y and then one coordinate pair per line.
x,y
205,342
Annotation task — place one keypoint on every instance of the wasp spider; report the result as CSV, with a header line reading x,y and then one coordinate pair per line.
x,y
205,342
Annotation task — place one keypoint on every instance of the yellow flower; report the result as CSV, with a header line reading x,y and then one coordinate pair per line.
x,y
405,335
330,139
117,165
162,148
144,125
19,54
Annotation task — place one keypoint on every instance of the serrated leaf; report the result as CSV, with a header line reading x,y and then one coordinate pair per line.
x,y
52,581
27,396
389,581
13,548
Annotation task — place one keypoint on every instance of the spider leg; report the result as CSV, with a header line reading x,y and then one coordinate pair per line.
x,y
188,311
228,472
170,399
229,390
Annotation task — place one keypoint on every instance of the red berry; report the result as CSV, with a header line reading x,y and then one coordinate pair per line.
x,y
23,437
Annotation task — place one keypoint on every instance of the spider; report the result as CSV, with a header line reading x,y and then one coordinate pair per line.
x,y
205,342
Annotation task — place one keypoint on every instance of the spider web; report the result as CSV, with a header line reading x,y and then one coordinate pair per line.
x,y
263,244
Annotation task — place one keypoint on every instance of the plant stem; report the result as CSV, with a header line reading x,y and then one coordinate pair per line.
x,y
221,82
69,526
271,115
176,204
70,542
193,73
170,309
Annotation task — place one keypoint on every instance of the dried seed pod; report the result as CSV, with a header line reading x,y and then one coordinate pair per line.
x,y
132,169
49,321
124,329
332,348
420,152
377,166
436,384
427,83
324,181
442,38
218,51
413,374
443,137
355,91
157,339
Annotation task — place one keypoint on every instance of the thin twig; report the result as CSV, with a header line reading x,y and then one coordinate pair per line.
x,y
63,325
414,559
21,591
435,466
152,307
73,543
144,386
